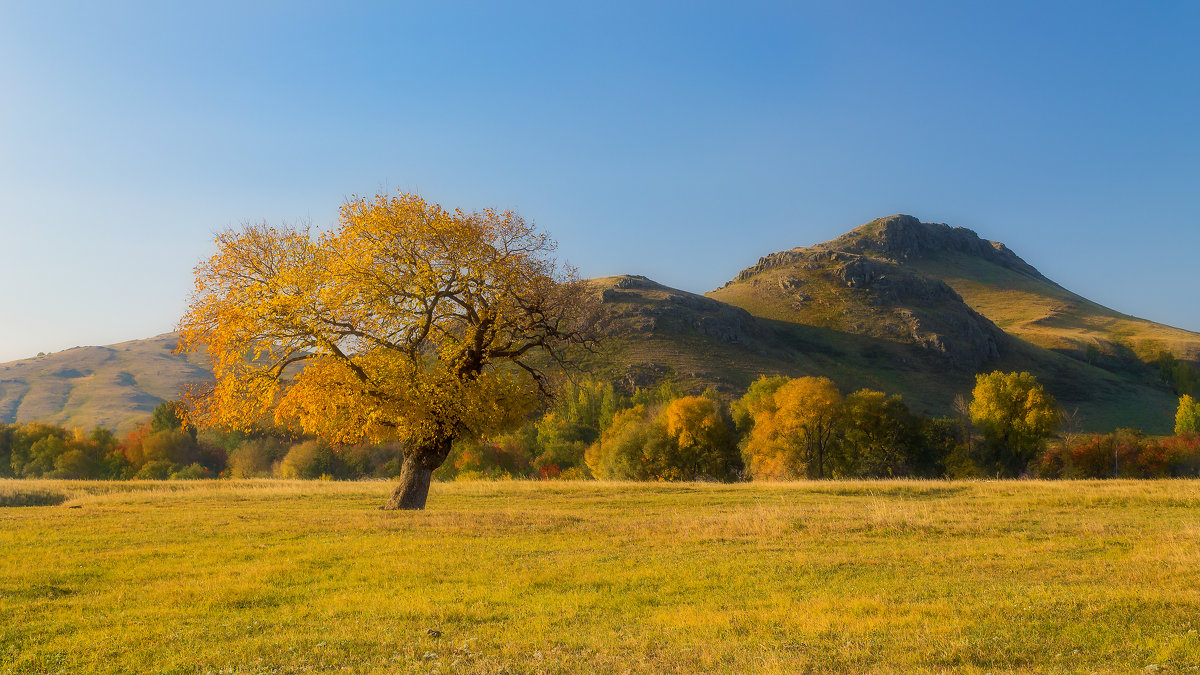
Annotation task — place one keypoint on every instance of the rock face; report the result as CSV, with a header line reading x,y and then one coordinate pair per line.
x,y
924,310
860,283
902,237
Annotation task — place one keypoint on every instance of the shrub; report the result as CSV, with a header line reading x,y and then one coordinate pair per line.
x,y
159,469
255,458
310,459
31,498
191,472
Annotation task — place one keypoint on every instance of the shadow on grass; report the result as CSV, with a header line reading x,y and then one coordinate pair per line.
x,y
31,498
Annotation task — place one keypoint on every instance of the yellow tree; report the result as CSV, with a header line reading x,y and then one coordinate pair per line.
x,y
702,440
1016,416
1187,416
406,322
793,428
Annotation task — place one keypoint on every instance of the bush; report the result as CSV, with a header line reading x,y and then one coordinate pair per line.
x,y
159,469
1125,453
310,459
31,498
255,458
191,472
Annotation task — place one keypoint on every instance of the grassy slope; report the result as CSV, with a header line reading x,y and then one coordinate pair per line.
x,y
593,577
1050,316
116,386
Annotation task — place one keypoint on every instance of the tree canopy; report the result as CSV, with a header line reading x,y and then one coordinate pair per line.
x,y
1016,416
794,423
407,322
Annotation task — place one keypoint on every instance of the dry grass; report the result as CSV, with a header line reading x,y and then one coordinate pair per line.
x,y
898,576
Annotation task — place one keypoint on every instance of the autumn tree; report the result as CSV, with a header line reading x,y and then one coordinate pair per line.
x,y
684,439
1016,416
1187,417
702,438
407,322
793,427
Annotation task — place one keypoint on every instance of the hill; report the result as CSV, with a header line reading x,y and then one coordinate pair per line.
x,y
115,386
969,305
897,305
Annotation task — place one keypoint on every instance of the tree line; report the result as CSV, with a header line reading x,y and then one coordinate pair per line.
x,y
780,429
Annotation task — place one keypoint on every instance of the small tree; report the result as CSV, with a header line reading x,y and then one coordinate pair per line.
x,y
1187,417
701,436
406,323
1016,416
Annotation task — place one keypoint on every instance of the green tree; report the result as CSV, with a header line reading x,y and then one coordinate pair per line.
x,y
879,435
310,459
758,398
1016,416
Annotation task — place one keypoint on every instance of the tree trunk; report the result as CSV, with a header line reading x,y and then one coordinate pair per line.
x,y
416,474
413,490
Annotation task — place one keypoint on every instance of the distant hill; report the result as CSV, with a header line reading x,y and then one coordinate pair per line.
x,y
897,305
115,386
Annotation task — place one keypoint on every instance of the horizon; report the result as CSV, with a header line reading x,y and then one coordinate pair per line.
x,y
677,142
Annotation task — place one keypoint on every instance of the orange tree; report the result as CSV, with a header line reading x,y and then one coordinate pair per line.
x,y
406,322
794,425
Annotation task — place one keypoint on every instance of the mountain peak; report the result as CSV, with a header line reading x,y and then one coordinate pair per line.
x,y
902,237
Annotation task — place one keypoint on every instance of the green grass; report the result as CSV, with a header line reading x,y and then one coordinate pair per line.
x,y
596,577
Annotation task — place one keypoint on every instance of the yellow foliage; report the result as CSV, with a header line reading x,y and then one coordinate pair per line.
x,y
792,427
692,420
1015,413
407,322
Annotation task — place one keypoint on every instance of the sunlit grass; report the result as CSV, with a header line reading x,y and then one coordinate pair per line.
x,y
276,576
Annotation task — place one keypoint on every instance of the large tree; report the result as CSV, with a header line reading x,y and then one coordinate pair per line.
x,y
407,322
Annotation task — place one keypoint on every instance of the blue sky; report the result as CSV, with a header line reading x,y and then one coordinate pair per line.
x,y
677,140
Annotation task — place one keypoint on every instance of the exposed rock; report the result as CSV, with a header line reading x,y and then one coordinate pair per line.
x,y
902,237
882,297
897,238
636,281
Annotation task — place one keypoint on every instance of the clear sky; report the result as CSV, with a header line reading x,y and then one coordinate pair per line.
x,y
676,140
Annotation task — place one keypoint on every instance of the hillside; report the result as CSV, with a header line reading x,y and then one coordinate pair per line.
x,y
115,386
1001,286
897,305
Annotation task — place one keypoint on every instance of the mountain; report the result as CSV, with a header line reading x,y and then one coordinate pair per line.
x,y
897,305
969,305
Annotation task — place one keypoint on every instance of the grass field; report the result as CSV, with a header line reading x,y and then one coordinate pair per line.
x,y
273,576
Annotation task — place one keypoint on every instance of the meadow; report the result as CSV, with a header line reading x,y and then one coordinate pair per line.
x,y
547,577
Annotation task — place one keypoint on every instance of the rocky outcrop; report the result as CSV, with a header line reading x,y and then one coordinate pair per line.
x,y
920,309
645,306
863,278
902,237
898,238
